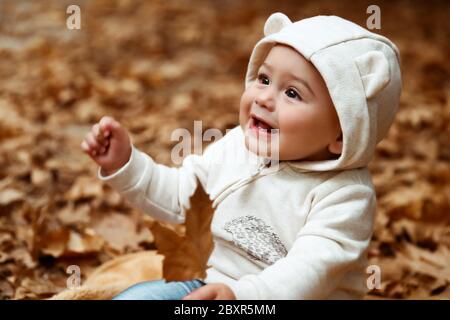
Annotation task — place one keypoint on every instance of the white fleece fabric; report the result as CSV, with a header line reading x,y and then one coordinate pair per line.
x,y
300,229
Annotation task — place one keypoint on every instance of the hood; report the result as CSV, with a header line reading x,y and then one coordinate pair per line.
x,y
361,70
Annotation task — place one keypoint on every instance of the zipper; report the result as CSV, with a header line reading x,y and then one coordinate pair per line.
x,y
236,185
258,170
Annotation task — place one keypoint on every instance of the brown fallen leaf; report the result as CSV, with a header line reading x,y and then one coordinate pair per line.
x,y
186,255
10,195
6,290
72,214
120,231
88,242
65,243
33,288
85,187
115,276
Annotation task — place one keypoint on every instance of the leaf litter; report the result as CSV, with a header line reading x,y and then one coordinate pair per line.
x,y
155,67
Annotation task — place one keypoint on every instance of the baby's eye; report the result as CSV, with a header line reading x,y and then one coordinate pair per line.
x,y
262,78
291,93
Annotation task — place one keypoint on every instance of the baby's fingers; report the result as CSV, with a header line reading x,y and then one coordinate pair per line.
x,y
85,147
94,147
99,135
107,125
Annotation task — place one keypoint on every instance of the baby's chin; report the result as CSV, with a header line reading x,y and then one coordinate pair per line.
x,y
261,148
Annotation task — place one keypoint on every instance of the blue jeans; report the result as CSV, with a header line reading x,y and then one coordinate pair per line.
x,y
159,290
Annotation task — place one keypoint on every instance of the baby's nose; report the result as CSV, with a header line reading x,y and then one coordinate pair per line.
x,y
266,99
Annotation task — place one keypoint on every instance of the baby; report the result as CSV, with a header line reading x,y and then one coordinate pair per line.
x,y
327,91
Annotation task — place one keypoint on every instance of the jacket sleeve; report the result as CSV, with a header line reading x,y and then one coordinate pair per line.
x,y
160,191
332,241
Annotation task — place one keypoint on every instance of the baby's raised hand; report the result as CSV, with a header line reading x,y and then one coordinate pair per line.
x,y
108,144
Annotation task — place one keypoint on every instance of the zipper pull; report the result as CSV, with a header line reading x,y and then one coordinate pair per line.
x,y
258,170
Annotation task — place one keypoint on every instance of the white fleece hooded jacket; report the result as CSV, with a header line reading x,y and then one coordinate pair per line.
x,y
299,230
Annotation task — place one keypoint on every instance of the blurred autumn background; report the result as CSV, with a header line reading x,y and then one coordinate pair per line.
x,y
157,66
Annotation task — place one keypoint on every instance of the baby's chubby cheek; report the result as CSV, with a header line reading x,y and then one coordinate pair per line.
x,y
244,110
296,131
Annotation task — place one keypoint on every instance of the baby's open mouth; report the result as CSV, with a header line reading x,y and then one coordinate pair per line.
x,y
260,125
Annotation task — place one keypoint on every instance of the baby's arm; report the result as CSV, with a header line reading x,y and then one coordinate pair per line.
x,y
333,241
158,190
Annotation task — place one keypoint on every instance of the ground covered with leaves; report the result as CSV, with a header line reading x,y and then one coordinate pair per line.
x,y
159,65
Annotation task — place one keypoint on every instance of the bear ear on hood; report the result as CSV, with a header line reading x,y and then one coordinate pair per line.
x,y
275,23
374,71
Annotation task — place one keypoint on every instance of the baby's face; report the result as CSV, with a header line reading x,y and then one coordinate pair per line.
x,y
301,109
